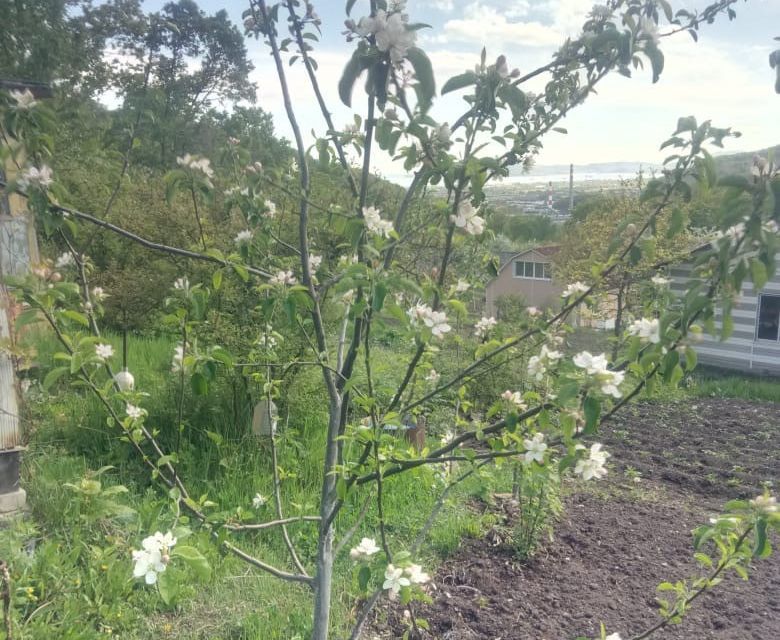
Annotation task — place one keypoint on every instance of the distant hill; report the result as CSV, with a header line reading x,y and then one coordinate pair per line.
x,y
729,163
739,163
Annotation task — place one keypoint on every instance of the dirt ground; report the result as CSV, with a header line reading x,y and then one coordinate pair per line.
x,y
618,539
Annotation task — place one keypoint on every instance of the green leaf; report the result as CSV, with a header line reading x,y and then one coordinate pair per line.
x,y
759,274
592,409
54,375
515,99
364,575
200,387
356,65
459,82
76,317
423,71
194,559
166,586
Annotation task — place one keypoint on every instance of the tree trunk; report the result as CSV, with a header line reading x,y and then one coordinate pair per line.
x,y
324,576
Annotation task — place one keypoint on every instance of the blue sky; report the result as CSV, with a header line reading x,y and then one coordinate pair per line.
x,y
724,77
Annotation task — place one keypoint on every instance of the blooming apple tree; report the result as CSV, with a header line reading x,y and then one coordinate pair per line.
x,y
552,422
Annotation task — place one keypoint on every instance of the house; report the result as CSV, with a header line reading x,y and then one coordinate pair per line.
x,y
527,277
754,345
18,251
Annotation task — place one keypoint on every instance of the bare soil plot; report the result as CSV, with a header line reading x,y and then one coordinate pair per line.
x,y
619,539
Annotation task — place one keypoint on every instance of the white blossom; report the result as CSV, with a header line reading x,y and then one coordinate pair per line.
x,y
661,281
613,636
592,364
733,234
538,365
181,284
367,548
533,311
575,288
98,294
534,449
196,163
433,376
124,380
104,351
283,278
153,557
390,33
468,220
648,330
64,260
243,236
610,382
134,411
416,575
395,579
258,501
35,177
270,209
484,326
436,321
462,286
25,100
516,398
594,465
348,297
765,503
315,261
375,224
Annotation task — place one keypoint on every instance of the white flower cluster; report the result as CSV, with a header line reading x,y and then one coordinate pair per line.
x,y
433,376
468,220
178,359
314,262
153,557
390,33
732,235
538,365
243,237
64,260
461,286
258,501
283,278
196,163
534,449
661,281
134,412
597,366
270,209
104,351
575,288
436,321
398,577
484,326
375,224
35,177
516,398
99,294
25,100
594,465
181,284
367,548
648,330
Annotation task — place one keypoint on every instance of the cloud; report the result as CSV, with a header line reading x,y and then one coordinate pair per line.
x,y
487,25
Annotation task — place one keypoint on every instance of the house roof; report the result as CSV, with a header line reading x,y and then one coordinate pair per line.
x,y
548,250
38,89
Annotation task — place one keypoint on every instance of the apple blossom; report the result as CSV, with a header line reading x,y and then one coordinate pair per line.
x,y
575,288
594,465
648,330
484,326
35,177
104,351
283,278
364,550
258,500
395,579
468,220
534,449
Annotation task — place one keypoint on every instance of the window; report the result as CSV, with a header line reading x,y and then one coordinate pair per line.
x,y
533,270
768,317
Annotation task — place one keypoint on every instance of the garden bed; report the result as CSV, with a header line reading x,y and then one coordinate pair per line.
x,y
619,538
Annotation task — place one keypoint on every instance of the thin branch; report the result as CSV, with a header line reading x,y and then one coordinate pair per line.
x,y
354,528
271,524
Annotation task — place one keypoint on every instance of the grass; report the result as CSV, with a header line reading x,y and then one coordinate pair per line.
x,y
714,383
71,561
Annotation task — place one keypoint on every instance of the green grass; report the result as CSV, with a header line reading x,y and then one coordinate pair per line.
x,y
712,383
71,564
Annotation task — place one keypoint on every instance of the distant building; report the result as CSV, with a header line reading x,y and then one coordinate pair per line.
x,y
754,345
526,276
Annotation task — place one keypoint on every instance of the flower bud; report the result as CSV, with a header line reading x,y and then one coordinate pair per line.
x,y
124,380
56,276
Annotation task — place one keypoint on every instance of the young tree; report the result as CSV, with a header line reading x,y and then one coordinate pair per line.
x,y
359,279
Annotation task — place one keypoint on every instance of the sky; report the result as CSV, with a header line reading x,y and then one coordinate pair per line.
x,y
725,77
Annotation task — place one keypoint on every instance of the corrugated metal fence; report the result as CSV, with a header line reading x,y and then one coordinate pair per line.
x,y
16,239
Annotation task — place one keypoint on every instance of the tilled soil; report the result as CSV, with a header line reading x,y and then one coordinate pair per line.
x,y
619,539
